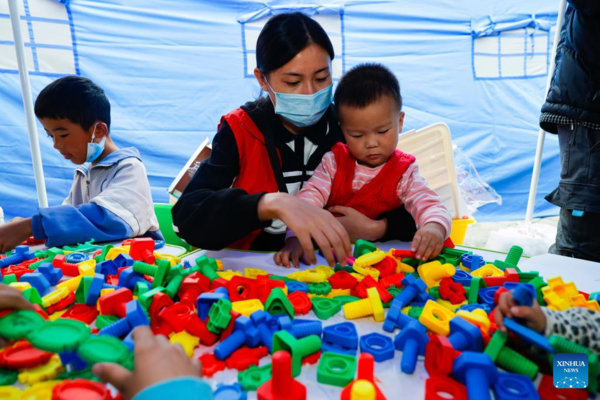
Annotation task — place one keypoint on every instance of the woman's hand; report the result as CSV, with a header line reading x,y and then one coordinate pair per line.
x,y
358,225
308,223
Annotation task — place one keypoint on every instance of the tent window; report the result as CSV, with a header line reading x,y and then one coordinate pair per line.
x,y
331,18
511,47
48,35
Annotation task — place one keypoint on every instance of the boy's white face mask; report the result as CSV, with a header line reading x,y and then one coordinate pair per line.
x,y
94,150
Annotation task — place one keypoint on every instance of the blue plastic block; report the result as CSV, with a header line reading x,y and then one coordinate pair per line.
x,y
514,386
381,347
128,341
294,286
229,392
304,327
20,254
262,321
414,288
486,295
159,244
478,372
336,348
244,333
472,261
135,317
421,303
95,289
72,360
528,335
343,334
108,267
282,323
462,277
76,258
38,281
395,318
411,341
205,302
129,278
470,307
464,336
123,260
53,275
523,293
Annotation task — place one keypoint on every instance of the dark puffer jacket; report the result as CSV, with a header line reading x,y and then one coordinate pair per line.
x,y
575,87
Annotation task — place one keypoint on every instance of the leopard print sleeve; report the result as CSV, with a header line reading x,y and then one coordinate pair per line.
x,y
579,325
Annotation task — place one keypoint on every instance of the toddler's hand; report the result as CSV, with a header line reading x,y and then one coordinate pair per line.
x,y
12,299
533,317
428,241
292,250
13,233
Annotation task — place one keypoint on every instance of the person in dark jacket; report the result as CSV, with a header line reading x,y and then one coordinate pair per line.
x,y
572,110
243,195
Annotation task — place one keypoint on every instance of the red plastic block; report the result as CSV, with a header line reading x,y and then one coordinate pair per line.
x,y
498,293
142,249
369,282
265,286
439,355
392,280
38,309
81,312
241,288
301,302
547,391
61,305
452,291
404,254
159,301
18,271
244,357
312,359
78,389
23,355
443,384
386,267
510,275
229,330
282,386
211,365
197,328
342,280
114,303
365,371
67,269
31,241
176,316
219,282
192,286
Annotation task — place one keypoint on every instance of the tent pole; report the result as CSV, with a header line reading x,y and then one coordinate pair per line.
x,y
542,134
34,144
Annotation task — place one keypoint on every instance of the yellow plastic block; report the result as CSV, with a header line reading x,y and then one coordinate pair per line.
x,y
173,260
20,285
45,372
254,272
555,302
436,318
227,275
433,272
487,271
370,259
406,309
358,276
362,389
313,276
187,341
450,306
328,271
87,269
466,269
404,268
106,291
54,297
297,276
247,307
115,251
367,271
339,292
362,308
10,393
71,284
56,315
39,391
477,317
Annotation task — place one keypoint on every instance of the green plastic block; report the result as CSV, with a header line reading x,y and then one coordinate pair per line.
x,y
8,377
140,288
219,316
102,256
19,324
514,255
503,265
103,321
174,284
207,267
8,279
538,283
83,289
336,369
394,291
254,377
346,299
473,292
415,312
362,247
527,277
453,260
347,268
440,257
48,257
145,300
324,308
454,252
103,348
59,336
280,278
413,262
435,292
176,270
278,303
297,348
32,295
509,359
83,248
319,288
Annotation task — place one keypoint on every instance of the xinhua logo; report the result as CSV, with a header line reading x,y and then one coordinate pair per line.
x,y
570,371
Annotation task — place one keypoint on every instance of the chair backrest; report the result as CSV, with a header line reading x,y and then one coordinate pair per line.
x,y
165,223
432,147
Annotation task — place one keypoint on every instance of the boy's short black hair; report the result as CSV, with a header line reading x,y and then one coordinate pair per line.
x,y
365,84
78,99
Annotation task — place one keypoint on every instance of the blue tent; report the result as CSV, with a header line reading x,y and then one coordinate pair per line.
x,y
172,68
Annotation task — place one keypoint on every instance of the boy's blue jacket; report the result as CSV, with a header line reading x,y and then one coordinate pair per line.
x,y
108,201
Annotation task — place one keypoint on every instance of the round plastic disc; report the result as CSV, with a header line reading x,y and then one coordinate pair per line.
x,y
23,356
60,335
19,324
80,389
103,348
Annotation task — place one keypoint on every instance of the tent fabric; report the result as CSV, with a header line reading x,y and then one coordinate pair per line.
x,y
172,68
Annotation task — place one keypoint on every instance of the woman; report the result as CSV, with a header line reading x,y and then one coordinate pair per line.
x,y
243,196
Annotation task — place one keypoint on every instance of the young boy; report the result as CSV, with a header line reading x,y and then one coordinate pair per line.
x,y
110,198
368,173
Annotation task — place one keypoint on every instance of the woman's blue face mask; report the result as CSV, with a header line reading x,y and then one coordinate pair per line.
x,y
303,109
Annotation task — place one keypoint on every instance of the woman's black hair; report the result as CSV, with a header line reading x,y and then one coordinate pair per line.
x,y
286,35
75,98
